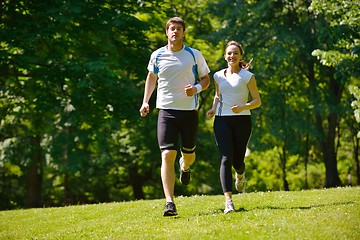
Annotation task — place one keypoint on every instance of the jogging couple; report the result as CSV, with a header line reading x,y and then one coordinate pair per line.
x,y
180,73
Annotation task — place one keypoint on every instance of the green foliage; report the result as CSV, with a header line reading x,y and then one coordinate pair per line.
x,y
344,12
264,172
66,81
315,214
355,91
72,79
302,98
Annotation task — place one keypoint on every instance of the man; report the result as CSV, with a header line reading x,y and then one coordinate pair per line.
x,y
175,68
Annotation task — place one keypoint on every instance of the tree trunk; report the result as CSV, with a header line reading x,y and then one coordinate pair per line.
x,y
66,193
137,188
136,181
328,135
283,159
328,148
356,158
34,176
306,160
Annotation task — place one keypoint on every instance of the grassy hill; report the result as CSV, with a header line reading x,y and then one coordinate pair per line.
x,y
312,214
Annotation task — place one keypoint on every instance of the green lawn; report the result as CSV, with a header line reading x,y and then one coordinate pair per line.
x,y
313,214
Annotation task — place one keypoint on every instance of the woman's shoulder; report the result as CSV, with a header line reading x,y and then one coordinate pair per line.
x,y
246,73
220,73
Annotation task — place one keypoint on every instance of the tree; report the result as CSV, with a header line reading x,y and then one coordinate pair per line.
x,y
72,76
63,71
342,19
282,35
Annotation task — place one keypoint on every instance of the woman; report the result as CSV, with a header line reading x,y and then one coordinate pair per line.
x,y
232,124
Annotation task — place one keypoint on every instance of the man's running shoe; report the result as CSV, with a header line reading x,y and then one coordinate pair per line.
x,y
184,175
240,183
229,207
170,209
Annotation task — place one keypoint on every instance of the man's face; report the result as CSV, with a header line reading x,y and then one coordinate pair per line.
x,y
175,33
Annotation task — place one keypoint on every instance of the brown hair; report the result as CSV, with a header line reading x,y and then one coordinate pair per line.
x,y
242,52
235,43
175,20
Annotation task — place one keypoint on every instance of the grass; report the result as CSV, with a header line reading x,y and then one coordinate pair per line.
x,y
311,214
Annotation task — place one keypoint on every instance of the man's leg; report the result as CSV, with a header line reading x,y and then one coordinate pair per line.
x,y
187,159
188,144
168,173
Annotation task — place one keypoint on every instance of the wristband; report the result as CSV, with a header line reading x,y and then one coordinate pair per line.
x,y
198,88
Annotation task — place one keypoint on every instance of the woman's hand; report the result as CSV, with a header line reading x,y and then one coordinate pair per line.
x,y
236,109
210,113
144,110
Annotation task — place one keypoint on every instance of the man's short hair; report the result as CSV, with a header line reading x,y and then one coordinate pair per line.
x,y
175,20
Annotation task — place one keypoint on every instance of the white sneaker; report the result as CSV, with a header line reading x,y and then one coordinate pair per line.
x,y
240,183
229,207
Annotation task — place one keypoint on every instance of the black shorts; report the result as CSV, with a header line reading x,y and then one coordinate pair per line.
x,y
175,124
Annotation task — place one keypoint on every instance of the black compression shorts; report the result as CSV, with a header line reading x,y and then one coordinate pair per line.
x,y
175,124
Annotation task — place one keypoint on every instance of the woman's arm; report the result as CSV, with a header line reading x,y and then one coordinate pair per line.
x,y
256,100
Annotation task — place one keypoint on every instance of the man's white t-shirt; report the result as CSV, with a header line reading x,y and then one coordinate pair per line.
x,y
175,71
233,90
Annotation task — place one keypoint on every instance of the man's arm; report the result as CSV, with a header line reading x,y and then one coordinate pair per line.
x,y
191,90
150,85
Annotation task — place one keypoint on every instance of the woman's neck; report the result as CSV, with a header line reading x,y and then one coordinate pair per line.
x,y
233,69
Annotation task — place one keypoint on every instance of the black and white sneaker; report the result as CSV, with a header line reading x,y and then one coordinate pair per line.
x,y
170,209
184,175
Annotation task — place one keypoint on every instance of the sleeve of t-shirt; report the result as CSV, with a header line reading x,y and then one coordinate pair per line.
x,y
215,77
248,76
151,63
203,68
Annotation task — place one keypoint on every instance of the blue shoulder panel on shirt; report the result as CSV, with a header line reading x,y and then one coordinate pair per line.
x,y
194,68
156,68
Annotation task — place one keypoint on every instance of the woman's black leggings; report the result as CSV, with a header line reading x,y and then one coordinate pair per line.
x,y
232,134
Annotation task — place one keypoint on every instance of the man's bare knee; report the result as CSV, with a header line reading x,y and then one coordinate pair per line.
x,y
189,157
168,156
187,160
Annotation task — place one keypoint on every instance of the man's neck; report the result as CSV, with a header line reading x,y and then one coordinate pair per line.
x,y
175,47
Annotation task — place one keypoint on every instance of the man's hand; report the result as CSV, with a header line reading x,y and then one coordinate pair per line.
x,y
190,90
144,110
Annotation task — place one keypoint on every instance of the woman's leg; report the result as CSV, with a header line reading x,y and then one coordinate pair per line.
x,y
223,138
241,131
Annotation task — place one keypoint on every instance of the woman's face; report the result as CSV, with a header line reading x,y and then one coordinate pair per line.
x,y
233,55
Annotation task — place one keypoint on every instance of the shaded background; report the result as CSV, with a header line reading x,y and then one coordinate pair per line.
x,y
72,75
